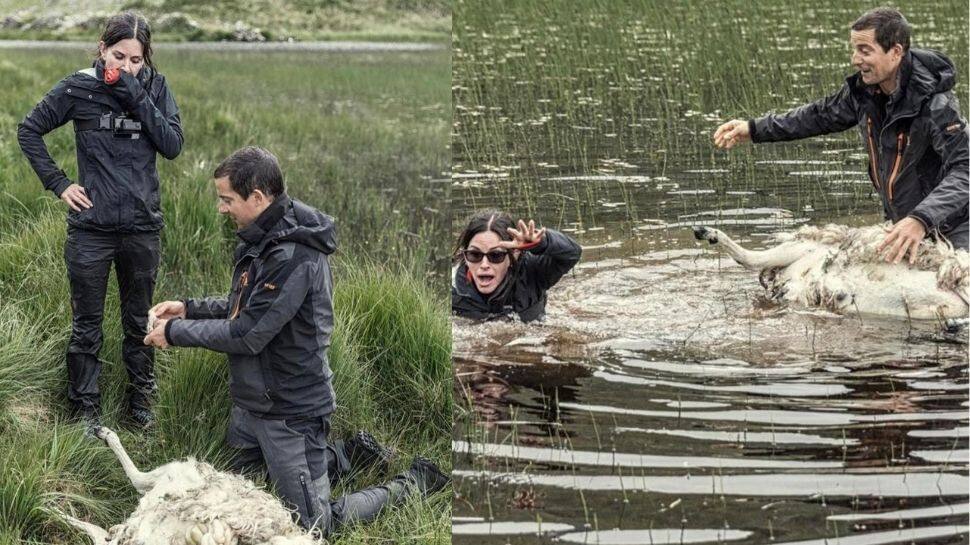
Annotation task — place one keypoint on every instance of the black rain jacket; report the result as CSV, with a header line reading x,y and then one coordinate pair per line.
x,y
523,291
916,138
117,171
276,323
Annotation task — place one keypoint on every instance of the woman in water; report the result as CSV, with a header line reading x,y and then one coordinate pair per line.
x,y
124,116
505,269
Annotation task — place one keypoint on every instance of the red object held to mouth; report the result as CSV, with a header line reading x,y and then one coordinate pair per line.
x,y
111,75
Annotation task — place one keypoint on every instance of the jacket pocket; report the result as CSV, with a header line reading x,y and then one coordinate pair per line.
x,y
269,377
247,384
86,214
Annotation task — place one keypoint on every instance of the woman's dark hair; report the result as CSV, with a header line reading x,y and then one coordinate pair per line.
x,y
495,221
252,168
890,26
129,24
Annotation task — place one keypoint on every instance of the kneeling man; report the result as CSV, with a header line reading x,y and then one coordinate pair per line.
x,y
275,325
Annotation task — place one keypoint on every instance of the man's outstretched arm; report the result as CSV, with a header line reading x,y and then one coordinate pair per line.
x,y
834,113
206,308
282,288
193,309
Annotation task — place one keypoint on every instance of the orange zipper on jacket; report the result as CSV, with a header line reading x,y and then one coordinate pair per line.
x,y
900,145
873,158
243,282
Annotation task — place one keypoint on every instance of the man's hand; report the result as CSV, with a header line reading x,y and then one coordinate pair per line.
x,y
731,133
157,337
168,310
165,310
76,198
904,236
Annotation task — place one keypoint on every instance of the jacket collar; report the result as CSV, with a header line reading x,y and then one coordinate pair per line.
x,y
255,232
143,77
902,79
909,93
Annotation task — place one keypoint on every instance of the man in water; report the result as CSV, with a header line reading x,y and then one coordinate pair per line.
x,y
902,101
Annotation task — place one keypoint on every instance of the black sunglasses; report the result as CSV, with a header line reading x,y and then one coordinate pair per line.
x,y
475,256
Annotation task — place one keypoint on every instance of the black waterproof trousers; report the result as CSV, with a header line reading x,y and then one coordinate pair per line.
x,y
89,255
303,467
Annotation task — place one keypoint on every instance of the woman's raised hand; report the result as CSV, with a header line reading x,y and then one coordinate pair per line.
x,y
525,237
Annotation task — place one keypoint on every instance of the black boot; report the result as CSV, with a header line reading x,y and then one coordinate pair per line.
x,y
88,416
426,476
141,418
363,451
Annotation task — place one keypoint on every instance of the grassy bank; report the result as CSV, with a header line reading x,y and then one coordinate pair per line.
x,y
360,137
248,20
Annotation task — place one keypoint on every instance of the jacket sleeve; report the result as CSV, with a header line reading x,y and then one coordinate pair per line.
x,y
207,308
159,118
52,112
557,254
278,293
949,133
833,113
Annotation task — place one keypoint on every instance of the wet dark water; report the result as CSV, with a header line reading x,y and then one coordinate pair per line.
x,y
668,407
664,400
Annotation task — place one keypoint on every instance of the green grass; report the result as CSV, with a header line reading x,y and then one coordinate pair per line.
x,y
181,20
362,137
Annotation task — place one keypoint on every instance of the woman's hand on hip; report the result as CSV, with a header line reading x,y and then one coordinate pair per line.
x,y
76,198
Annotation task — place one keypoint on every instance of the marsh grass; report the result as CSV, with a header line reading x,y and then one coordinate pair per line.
x,y
636,87
360,137
404,341
630,91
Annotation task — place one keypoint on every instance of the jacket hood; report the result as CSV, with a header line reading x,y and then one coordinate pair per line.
x,y
288,220
931,71
923,72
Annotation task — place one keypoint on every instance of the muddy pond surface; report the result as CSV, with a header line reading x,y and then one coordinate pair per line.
x,y
664,399
662,394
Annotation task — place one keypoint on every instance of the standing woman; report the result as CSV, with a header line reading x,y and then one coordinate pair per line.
x,y
124,115
504,271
